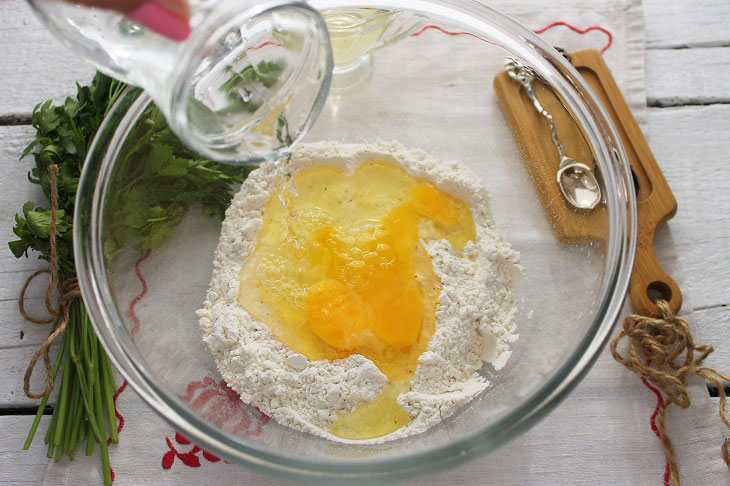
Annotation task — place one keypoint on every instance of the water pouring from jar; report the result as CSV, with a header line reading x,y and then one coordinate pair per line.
x,y
238,81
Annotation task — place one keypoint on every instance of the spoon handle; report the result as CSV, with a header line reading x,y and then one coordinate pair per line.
x,y
524,75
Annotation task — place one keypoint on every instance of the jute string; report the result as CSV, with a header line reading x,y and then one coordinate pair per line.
x,y
662,351
68,291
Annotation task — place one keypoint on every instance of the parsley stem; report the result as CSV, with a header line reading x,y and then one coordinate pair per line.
x,y
109,388
51,426
82,429
44,401
51,431
62,402
86,389
96,350
73,402
89,437
59,453
76,424
116,88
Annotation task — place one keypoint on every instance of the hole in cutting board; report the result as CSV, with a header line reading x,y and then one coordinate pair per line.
x,y
659,290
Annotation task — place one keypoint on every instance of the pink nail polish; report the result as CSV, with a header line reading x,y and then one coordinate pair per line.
x,y
156,17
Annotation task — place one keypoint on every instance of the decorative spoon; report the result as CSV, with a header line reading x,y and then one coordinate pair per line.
x,y
576,180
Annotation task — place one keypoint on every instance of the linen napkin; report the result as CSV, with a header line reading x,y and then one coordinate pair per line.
x,y
600,434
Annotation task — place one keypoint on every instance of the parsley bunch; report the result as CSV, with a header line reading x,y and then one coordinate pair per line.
x,y
158,180
63,135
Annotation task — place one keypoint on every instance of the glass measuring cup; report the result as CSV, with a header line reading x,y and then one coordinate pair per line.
x,y
244,86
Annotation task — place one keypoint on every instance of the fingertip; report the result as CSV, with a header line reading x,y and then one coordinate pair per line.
x,y
157,17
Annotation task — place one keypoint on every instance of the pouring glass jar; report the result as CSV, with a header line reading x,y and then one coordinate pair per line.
x,y
245,85
248,81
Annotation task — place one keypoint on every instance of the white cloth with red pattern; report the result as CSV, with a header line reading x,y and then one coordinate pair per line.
x,y
601,434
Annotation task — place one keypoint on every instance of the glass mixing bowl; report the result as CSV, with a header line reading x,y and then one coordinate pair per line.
x,y
428,90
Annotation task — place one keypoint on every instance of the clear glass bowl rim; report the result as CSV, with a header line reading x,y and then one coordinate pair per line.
x,y
620,201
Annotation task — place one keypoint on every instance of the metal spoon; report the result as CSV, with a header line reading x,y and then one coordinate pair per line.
x,y
576,180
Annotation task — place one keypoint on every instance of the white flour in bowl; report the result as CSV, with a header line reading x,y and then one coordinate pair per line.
x,y
474,316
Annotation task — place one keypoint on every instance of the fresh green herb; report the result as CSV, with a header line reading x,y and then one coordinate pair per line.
x,y
265,72
157,180
33,227
238,87
63,135
282,131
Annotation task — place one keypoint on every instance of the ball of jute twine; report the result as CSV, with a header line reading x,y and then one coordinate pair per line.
x,y
663,351
68,291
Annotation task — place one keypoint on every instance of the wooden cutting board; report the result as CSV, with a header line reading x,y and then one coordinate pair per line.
x,y
655,201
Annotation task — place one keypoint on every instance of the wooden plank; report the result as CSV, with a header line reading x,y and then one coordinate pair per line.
x,y
16,351
18,466
15,331
690,145
12,279
687,76
35,65
13,272
687,23
714,330
13,362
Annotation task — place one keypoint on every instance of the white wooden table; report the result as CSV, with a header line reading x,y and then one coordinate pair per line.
x,y
687,73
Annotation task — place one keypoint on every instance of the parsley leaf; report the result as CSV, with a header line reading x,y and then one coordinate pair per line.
x,y
156,178
156,181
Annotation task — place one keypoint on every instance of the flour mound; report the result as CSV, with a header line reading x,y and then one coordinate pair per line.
x,y
474,316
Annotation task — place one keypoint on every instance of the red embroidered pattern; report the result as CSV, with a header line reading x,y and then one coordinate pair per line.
x,y
116,411
221,405
140,296
652,421
218,403
189,458
538,31
134,331
263,44
444,31
581,31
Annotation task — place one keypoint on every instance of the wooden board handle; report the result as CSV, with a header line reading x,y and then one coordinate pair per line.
x,y
650,281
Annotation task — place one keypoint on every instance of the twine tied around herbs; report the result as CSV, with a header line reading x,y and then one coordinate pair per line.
x,y
663,351
68,292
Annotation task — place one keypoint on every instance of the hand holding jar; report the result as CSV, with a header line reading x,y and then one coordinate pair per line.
x,y
170,18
